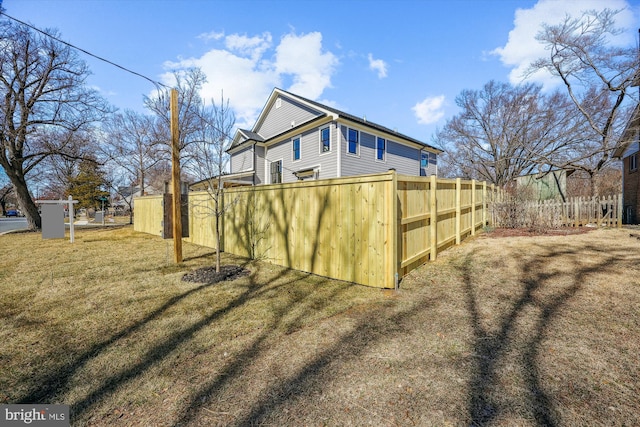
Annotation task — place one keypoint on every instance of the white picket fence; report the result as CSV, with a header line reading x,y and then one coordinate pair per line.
x,y
575,212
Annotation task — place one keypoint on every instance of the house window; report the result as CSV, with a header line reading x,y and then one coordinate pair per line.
x,y
433,159
381,148
325,140
276,172
296,148
633,162
424,160
353,141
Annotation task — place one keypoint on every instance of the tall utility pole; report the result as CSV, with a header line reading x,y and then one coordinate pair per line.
x,y
175,179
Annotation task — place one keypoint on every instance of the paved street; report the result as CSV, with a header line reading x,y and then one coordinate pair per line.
x,y
8,224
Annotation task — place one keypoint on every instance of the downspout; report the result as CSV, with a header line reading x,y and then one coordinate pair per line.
x,y
255,162
339,149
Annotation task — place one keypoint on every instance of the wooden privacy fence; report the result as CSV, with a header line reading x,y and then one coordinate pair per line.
x,y
370,230
575,212
153,216
148,214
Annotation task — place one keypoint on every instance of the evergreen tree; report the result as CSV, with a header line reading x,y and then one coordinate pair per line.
x,y
88,186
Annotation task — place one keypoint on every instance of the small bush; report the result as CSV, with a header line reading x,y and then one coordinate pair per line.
x,y
519,209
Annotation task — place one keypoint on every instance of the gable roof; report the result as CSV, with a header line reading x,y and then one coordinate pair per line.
x,y
326,111
251,135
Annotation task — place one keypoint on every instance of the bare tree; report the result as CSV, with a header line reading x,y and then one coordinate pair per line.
x,y
502,130
54,174
5,192
132,145
598,79
188,84
209,158
44,101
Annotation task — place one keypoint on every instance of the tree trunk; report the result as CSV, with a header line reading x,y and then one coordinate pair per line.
x,y
218,214
26,203
593,184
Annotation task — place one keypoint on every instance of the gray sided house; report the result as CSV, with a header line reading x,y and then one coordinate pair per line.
x,y
295,138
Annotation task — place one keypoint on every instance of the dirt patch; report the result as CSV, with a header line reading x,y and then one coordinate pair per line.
x,y
209,275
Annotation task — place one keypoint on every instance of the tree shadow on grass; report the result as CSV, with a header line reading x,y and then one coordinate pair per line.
x,y
162,350
371,329
56,382
491,345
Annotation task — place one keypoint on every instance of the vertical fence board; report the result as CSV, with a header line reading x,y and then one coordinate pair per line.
x,y
148,214
360,229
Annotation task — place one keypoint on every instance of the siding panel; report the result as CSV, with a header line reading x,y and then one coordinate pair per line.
x,y
242,160
310,156
406,160
279,119
261,177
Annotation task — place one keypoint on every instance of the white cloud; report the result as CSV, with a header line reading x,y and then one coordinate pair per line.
x,y
522,48
429,110
213,35
253,47
247,68
302,58
378,65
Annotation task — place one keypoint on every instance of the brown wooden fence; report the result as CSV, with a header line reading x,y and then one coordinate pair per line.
x,y
370,230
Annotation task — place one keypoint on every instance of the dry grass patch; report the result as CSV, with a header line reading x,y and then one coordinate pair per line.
x,y
514,331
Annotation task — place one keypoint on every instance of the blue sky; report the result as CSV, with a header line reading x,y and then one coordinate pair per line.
x,y
399,63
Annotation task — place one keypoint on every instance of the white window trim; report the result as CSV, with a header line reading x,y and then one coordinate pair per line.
x,y
281,171
299,137
322,153
357,153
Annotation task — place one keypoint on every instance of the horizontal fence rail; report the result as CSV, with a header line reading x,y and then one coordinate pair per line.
x,y
370,229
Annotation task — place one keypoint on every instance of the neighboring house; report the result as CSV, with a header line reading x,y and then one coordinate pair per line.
x,y
125,195
628,152
295,138
546,186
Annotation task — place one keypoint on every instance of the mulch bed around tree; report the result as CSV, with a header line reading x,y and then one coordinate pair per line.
x,y
209,276
526,232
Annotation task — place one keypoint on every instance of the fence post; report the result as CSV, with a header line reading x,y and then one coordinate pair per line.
x,y
433,225
458,210
619,210
394,231
493,201
473,207
485,205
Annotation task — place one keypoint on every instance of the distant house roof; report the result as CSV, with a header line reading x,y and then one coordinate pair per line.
x,y
253,136
228,180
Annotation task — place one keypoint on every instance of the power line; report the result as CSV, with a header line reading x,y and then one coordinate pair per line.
x,y
155,83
